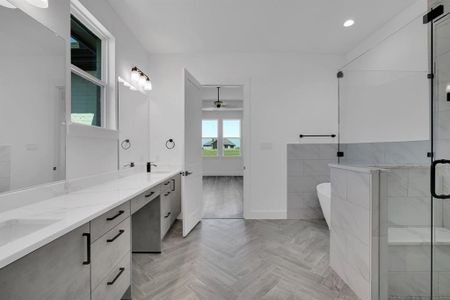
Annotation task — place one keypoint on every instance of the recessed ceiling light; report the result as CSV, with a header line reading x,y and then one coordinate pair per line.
x,y
349,23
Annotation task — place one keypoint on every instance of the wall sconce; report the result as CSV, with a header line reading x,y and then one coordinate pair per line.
x,y
141,78
39,3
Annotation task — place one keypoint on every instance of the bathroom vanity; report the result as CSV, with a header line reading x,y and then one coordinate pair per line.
x,y
79,245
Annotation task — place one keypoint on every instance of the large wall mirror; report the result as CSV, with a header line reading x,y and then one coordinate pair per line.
x,y
32,102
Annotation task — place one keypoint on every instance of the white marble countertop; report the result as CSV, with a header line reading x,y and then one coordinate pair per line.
x,y
62,214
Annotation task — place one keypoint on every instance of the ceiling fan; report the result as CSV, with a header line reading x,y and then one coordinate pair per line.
x,y
219,103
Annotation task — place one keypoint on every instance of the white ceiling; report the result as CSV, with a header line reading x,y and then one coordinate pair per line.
x,y
196,26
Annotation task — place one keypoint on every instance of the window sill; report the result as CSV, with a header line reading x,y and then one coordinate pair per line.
x,y
80,130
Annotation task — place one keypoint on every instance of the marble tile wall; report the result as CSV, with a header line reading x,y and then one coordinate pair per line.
x,y
389,153
354,228
5,168
307,166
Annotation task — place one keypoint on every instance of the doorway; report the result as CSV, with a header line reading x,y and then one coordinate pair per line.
x,y
222,151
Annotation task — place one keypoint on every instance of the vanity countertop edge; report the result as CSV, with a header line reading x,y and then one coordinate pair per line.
x,y
71,210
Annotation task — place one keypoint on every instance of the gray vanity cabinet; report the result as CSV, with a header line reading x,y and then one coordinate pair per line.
x,y
176,198
170,203
52,272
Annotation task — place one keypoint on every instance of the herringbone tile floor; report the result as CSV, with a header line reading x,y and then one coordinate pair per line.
x,y
241,259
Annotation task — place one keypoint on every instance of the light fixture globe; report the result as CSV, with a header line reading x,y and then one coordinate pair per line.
x,y
135,74
142,80
148,85
39,3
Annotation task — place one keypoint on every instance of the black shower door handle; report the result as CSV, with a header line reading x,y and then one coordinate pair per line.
x,y
433,178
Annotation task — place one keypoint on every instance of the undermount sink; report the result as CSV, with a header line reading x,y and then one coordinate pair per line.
x,y
16,228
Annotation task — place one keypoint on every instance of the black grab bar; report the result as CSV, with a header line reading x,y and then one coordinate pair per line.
x,y
317,135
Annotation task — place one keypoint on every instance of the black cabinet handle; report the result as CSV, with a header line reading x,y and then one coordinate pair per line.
x,y
433,178
166,216
167,194
149,195
116,236
173,186
117,276
117,215
167,183
88,248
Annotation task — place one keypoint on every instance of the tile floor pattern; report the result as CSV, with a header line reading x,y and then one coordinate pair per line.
x,y
241,259
223,197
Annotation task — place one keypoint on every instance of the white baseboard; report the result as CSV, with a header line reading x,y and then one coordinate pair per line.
x,y
222,173
266,215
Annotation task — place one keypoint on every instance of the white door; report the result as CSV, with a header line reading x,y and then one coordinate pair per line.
x,y
192,189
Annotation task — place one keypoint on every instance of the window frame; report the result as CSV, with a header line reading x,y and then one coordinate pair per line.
x,y
106,82
218,137
223,137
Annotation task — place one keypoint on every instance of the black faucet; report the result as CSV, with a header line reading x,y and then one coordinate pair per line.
x,y
149,166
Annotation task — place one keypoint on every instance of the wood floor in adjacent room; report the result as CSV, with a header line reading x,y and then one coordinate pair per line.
x,y
241,259
223,197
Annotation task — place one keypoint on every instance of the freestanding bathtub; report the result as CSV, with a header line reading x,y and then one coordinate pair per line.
x,y
324,194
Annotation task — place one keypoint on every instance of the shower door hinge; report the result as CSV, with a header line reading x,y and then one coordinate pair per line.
x,y
340,74
433,14
430,76
430,154
340,154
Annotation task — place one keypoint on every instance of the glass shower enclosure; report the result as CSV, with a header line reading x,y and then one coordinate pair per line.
x,y
394,117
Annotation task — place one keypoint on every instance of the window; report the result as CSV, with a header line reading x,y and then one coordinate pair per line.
x,y
210,137
89,65
231,137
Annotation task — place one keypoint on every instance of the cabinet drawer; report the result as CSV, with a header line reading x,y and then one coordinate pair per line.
x,y
107,221
166,203
116,282
166,212
142,200
52,272
166,186
108,250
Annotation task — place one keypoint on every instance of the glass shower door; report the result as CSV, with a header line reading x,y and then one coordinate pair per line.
x,y
440,171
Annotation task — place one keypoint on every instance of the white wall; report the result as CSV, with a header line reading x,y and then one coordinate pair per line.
x,y
290,94
92,153
384,92
220,165
134,125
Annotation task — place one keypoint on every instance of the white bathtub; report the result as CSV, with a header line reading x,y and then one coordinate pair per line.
x,y
324,194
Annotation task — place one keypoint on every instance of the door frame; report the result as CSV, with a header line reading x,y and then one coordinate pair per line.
x,y
246,137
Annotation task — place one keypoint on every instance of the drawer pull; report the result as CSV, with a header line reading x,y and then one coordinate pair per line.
x,y
167,183
117,277
173,185
166,216
116,236
117,215
88,248
149,195
167,194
